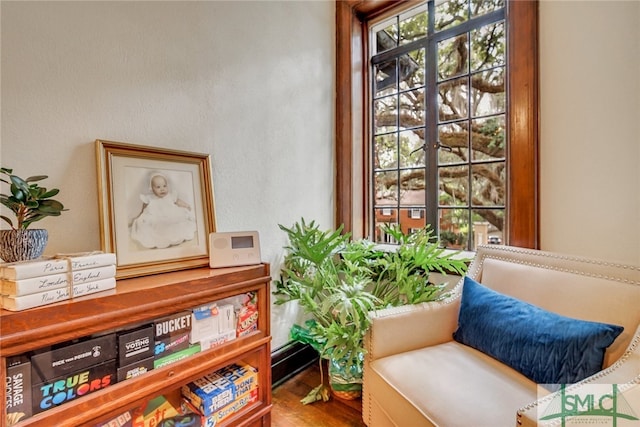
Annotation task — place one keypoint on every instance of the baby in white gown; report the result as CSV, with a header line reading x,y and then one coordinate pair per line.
x,y
165,220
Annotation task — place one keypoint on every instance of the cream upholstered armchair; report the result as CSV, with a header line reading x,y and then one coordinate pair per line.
x,y
417,374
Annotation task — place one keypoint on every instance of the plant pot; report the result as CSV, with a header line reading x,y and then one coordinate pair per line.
x,y
22,244
345,380
347,394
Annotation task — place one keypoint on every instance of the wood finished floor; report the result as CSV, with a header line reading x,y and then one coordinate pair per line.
x,y
287,410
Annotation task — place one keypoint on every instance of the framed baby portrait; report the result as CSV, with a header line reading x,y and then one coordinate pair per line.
x,y
156,207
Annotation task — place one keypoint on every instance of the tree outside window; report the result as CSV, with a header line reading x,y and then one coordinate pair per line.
x,y
439,121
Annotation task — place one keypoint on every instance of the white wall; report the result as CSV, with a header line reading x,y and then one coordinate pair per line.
x,y
251,83
590,128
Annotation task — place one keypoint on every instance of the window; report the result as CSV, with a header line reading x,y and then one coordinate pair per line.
x,y
463,177
416,213
438,116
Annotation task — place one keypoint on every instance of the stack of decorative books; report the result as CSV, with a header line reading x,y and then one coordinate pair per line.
x,y
29,284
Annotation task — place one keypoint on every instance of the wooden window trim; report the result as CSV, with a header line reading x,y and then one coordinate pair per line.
x,y
351,130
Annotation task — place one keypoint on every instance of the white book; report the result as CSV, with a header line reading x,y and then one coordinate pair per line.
x,y
1,277
57,264
55,281
24,302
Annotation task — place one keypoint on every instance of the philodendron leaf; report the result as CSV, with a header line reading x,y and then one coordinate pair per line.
x,y
319,393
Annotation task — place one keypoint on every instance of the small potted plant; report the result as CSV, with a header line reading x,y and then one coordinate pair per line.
x,y
337,281
29,203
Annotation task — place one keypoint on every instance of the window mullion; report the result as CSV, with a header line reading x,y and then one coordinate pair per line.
x,y
431,124
398,113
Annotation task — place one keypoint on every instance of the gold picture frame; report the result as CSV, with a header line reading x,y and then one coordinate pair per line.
x,y
156,207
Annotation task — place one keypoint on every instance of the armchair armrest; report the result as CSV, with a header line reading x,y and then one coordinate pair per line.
x,y
399,329
625,373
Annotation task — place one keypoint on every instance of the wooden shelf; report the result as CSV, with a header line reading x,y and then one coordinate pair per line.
x,y
136,301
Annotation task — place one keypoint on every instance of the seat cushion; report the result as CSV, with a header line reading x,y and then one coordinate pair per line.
x,y
448,385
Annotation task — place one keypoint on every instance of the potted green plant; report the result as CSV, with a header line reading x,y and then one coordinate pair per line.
x,y
338,281
29,202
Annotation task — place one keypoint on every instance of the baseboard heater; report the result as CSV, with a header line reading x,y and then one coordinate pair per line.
x,y
290,359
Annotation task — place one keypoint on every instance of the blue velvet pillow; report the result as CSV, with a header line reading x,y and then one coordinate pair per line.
x,y
543,346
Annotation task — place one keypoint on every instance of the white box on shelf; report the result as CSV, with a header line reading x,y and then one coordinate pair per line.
x,y
214,341
204,322
226,318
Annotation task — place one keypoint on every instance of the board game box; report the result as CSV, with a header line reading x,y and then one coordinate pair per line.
x,y
135,344
65,388
214,341
71,356
134,369
18,389
172,333
222,414
164,411
123,420
174,357
212,392
204,322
